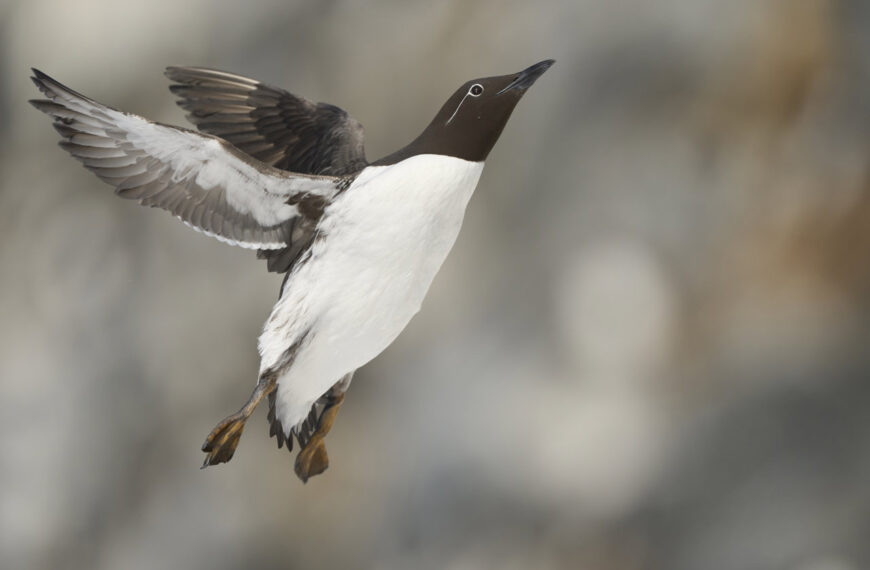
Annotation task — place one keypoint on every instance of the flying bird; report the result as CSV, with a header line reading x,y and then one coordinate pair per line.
x,y
359,242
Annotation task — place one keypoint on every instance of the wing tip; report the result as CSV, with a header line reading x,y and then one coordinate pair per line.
x,y
195,75
41,81
54,89
47,84
38,75
40,104
173,72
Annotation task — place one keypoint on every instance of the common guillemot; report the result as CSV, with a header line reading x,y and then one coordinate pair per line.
x,y
359,243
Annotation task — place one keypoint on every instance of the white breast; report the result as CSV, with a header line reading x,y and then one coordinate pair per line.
x,y
389,236
382,242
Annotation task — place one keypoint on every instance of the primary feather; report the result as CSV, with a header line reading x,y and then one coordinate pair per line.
x,y
205,181
281,129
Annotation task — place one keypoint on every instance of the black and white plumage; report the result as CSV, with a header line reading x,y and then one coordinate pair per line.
x,y
206,182
275,127
360,242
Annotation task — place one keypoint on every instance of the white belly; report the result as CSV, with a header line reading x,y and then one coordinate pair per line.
x,y
382,243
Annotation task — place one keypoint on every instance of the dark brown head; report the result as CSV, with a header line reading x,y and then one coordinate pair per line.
x,y
472,119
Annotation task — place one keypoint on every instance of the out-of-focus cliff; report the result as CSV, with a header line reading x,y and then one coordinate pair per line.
x,y
650,348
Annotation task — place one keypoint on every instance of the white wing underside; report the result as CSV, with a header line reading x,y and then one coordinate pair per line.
x,y
204,181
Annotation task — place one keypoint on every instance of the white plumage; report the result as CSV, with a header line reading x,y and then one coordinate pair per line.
x,y
382,242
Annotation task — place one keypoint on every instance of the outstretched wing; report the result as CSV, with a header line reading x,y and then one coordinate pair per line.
x,y
204,181
270,124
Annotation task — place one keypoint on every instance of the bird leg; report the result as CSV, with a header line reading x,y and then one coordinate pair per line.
x,y
221,443
312,459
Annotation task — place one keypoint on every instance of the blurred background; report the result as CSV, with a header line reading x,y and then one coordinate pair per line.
x,y
648,349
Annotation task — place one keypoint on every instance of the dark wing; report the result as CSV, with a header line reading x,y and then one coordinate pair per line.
x,y
270,124
207,183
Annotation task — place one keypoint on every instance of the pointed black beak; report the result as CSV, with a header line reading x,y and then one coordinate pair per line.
x,y
526,77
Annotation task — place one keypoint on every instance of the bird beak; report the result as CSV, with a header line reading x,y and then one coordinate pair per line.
x,y
526,77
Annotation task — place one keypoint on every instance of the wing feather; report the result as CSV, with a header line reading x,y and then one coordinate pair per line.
x,y
205,181
270,124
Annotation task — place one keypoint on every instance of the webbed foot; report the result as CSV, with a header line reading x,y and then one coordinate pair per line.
x,y
312,458
221,443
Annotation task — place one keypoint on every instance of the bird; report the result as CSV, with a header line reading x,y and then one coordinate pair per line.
x,y
358,242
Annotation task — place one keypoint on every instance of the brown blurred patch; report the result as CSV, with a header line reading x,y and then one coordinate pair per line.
x,y
767,81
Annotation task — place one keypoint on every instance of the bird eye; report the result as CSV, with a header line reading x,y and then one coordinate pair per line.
x,y
473,91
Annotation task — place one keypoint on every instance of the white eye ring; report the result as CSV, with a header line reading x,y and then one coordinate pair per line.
x,y
475,90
